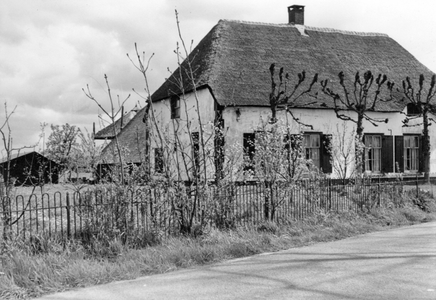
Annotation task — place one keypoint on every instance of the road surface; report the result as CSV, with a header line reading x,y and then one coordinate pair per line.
x,y
394,264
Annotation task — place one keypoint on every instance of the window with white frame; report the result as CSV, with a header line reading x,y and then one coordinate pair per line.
x,y
373,148
312,146
411,153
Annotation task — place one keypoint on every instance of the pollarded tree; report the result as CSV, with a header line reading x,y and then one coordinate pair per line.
x,y
360,98
422,101
286,96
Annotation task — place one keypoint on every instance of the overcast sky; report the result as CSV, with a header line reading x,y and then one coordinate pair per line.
x,y
51,49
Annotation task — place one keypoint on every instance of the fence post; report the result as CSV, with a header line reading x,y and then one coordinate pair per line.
x,y
68,216
329,186
266,202
379,192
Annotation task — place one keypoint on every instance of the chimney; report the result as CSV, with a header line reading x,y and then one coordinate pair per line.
x,y
296,14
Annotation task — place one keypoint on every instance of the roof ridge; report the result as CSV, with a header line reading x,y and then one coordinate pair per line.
x,y
320,29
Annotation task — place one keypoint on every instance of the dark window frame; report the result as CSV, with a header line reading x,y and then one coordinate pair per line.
x,y
195,136
412,110
158,160
249,150
175,107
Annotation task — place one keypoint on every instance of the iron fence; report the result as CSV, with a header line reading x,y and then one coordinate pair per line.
x,y
164,209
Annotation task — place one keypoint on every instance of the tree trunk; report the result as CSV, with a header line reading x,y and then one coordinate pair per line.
x,y
426,146
359,145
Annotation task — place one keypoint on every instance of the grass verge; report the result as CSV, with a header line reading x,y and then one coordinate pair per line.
x,y
47,266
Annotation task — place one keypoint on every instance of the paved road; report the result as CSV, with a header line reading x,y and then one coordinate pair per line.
x,y
394,264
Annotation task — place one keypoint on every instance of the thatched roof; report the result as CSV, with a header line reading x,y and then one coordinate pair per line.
x,y
233,60
131,140
108,131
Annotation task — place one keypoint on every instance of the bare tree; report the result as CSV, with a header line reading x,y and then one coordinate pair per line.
x,y
422,100
361,98
89,150
272,158
112,114
8,184
185,144
342,153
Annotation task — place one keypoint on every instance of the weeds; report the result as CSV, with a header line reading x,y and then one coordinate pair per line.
x,y
46,264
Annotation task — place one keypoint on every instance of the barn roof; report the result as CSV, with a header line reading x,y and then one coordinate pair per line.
x,y
233,60
21,154
108,131
132,140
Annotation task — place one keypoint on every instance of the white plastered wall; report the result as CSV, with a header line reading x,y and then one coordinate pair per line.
x,y
192,107
239,120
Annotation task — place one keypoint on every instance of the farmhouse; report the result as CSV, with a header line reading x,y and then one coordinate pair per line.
x,y
31,168
225,83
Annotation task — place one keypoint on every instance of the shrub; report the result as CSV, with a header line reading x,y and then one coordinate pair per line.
x,y
268,226
424,200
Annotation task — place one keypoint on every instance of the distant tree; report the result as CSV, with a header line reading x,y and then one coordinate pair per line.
x,y
113,113
90,152
361,98
422,100
62,143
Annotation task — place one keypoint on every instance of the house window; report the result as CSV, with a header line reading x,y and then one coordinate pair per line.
x,y
412,109
311,146
158,160
175,107
249,151
373,148
411,153
196,151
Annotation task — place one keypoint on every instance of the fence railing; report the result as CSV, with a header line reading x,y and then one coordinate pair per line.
x,y
163,209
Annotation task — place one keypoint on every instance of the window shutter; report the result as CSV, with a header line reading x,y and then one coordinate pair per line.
x,y
399,153
421,155
326,164
219,142
387,154
363,154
